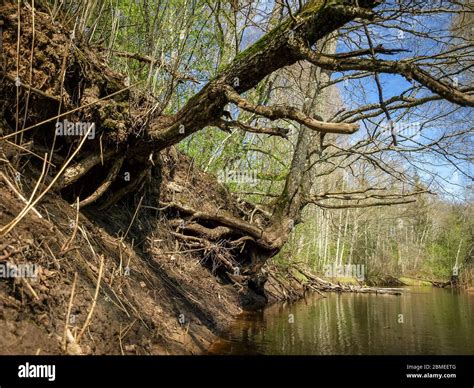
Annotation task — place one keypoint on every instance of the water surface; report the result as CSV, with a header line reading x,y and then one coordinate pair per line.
x,y
423,320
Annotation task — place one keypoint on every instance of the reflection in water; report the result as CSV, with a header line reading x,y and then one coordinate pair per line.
x,y
421,321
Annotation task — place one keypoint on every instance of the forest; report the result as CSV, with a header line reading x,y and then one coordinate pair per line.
x,y
168,165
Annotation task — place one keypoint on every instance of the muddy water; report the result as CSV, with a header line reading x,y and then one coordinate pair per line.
x,y
423,320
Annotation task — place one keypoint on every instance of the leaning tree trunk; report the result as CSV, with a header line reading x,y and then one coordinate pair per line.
x,y
289,206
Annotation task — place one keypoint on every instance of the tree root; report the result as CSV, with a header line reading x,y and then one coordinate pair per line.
x,y
220,217
106,184
120,193
210,233
74,173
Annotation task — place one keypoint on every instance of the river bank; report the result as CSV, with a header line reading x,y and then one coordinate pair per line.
x,y
117,281
166,302
153,299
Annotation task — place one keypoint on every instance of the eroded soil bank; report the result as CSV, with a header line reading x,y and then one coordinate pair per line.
x,y
156,296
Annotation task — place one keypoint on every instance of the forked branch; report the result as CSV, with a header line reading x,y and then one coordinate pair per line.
x,y
288,112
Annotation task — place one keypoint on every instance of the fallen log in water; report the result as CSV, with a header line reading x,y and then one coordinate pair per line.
x,y
359,289
389,291
438,284
325,286
286,284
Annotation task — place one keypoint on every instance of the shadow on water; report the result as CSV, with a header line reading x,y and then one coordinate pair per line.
x,y
423,320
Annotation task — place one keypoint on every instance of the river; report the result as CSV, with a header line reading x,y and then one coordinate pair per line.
x,y
424,320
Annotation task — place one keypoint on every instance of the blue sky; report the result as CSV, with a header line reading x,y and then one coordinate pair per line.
x,y
393,85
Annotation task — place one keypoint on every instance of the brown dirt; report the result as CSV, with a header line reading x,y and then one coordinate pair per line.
x,y
135,314
138,313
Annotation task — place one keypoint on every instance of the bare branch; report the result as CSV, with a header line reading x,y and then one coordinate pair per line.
x,y
153,61
404,68
274,131
288,112
363,205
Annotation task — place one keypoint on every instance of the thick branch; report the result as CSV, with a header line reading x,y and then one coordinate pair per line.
x,y
357,53
273,51
275,131
114,170
348,197
404,68
362,205
288,112
345,193
122,192
74,173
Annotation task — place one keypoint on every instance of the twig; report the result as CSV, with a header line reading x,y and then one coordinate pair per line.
x,y
65,247
97,288
7,228
69,307
18,193
133,218
28,285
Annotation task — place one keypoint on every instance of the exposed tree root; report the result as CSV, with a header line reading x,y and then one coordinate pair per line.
x,y
114,170
221,217
81,168
125,190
